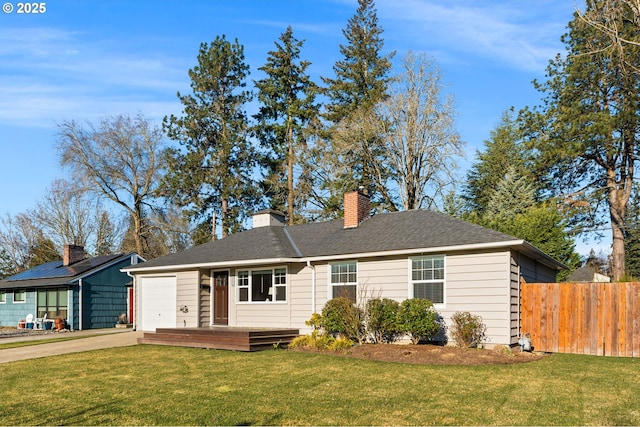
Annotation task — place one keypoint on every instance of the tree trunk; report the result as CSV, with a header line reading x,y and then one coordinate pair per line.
x,y
224,217
618,199
137,235
290,195
213,226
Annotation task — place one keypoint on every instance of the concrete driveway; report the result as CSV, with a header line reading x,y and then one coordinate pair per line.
x,y
106,338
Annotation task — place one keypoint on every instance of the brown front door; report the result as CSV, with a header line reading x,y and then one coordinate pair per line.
x,y
220,298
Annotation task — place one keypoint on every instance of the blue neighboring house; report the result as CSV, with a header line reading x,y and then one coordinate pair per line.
x,y
88,293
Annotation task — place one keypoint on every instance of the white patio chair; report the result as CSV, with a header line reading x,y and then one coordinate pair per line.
x,y
40,321
28,319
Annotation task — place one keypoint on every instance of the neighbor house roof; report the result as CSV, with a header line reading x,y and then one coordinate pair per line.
x,y
587,274
55,273
415,231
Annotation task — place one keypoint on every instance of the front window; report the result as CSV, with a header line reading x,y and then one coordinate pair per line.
x,y
3,297
344,280
53,303
427,278
19,296
268,285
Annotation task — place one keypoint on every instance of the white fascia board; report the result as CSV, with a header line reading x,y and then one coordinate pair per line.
x,y
222,264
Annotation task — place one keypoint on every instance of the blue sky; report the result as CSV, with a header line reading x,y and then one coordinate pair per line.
x,y
85,60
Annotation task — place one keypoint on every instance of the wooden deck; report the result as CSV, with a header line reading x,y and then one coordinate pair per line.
x,y
221,337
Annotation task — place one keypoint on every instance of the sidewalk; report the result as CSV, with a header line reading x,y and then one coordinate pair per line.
x,y
106,338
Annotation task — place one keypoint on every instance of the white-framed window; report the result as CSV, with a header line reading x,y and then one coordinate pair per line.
x,y
264,285
427,278
343,279
3,297
19,296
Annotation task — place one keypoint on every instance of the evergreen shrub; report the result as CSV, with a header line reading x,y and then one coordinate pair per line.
x,y
418,319
382,320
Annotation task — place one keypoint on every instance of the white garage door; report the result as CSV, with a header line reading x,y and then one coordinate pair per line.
x,y
157,303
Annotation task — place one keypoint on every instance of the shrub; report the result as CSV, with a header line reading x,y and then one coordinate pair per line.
x,y
467,329
341,317
304,341
382,320
319,339
419,319
338,344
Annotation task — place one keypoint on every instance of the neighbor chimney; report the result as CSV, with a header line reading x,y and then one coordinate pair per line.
x,y
357,208
268,217
72,254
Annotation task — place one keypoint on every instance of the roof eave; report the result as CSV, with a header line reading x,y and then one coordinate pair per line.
x,y
510,244
544,257
210,265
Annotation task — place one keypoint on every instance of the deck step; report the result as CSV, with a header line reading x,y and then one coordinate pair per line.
x,y
222,338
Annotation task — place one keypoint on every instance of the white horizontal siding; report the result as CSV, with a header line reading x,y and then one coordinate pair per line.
x,y
480,284
268,315
188,294
300,288
485,284
384,278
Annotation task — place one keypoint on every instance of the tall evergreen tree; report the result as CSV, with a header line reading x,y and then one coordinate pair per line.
x,y
287,97
503,150
512,196
513,209
362,76
7,268
361,81
586,133
210,175
43,251
105,235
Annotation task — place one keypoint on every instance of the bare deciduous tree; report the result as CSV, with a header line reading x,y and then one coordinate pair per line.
x,y
24,243
121,160
421,144
66,214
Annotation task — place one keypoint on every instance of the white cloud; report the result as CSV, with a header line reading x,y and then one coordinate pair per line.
x,y
521,34
48,75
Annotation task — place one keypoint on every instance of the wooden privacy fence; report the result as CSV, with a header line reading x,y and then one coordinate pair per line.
x,y
584,318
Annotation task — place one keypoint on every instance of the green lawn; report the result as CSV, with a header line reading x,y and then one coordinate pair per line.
x,y
154,385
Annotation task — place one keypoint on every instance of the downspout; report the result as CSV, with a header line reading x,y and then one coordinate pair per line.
x,y
80,304
135,294
313,286
519,300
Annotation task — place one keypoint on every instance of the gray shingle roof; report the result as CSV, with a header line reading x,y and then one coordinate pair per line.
x,y
417,229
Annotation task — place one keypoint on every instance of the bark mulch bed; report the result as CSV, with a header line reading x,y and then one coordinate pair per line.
x,y
428,354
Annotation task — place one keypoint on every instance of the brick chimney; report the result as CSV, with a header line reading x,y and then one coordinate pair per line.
x,y
357,208
72,254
